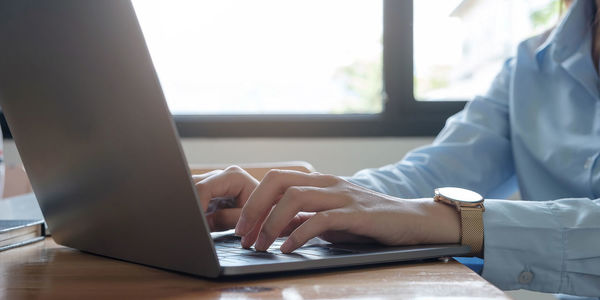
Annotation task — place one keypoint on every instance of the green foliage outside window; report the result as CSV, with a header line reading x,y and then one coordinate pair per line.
x,y
546,15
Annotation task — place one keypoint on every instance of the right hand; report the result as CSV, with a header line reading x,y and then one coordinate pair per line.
x,y
233,182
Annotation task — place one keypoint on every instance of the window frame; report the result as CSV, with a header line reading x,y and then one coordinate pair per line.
x,y
402,114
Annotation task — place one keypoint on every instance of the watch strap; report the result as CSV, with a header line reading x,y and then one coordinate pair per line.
x,y
471,231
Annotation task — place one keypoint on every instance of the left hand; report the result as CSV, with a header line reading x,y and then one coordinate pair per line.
x,y
310,205
233,183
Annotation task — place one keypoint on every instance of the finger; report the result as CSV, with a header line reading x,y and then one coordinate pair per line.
x,y
249,239
223,219
232,182
269,190
296,221
199,177
313,227
295,200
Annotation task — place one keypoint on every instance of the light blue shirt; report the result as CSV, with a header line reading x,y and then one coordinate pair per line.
x,y
539,123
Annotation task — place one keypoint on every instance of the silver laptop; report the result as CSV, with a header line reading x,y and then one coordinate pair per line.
x,y
87,113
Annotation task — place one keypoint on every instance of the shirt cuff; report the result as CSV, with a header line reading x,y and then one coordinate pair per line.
x,y
523,246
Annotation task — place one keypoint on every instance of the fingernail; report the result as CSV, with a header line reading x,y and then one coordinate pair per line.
x,y
261,243
240,227
286,247
245,243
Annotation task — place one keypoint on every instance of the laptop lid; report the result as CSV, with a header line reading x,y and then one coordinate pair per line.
x,y
88,116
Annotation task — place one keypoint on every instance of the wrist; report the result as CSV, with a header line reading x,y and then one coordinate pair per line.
x,y
442,223
470,207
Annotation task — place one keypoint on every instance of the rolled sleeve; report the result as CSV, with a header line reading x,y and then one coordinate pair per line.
x,y
549,246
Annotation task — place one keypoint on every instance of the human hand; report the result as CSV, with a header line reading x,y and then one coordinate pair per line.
x,y
234,183
310,205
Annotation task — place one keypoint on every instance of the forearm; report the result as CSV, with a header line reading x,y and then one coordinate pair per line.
x,y
469,153
473,151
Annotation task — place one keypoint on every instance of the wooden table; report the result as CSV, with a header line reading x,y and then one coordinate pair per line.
x,y
47,270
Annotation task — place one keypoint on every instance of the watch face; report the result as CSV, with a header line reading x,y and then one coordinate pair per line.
x,y
458,194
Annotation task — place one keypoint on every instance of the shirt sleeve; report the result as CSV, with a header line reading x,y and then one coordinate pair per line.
x,y
473,151
547,246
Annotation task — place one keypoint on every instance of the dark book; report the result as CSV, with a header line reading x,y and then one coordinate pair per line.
x,y
15,233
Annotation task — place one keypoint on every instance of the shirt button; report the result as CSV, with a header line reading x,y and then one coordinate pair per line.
x,y
525,277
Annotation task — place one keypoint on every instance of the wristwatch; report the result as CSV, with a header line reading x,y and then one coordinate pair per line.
x,y
469,205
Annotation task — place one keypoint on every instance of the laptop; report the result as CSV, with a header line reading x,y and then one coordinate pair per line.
x,y
88,116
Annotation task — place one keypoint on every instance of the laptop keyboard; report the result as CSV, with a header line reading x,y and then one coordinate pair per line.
x,y
230,252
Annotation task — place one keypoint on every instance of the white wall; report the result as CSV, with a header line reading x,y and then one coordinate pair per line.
x,y
340,156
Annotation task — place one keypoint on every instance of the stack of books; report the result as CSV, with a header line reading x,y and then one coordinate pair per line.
x,y
21,222
15,233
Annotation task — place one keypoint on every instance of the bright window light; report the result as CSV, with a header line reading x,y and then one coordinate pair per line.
x,y
460,45
266,56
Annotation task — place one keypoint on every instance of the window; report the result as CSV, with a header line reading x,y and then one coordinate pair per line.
x,y
282,68
266,56
477,37
288,68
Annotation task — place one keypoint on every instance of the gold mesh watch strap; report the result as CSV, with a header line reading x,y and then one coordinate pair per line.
x,y
471,231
